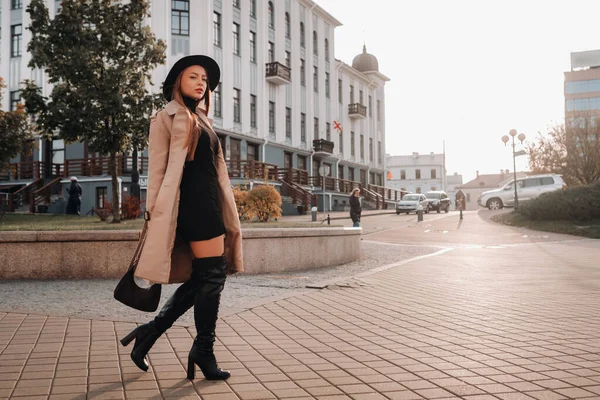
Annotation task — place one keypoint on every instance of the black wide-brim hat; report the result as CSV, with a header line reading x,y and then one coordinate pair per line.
x,y
212,70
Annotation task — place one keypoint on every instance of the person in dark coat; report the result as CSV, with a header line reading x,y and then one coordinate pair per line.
x,y
355,208
74,200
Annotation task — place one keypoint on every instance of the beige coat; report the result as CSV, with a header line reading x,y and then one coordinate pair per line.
x,y
164,259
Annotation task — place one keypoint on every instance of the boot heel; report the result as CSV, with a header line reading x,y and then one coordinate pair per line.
x,y
191,371
127,339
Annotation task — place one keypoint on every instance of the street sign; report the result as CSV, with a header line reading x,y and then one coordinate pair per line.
x,y
520,153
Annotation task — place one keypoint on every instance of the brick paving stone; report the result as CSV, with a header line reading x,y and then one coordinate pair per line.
x,y
434,330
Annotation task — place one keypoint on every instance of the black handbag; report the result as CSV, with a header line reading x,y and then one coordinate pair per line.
x,y
128,292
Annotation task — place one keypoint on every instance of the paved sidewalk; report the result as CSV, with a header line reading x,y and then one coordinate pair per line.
x,y
415,331
520,321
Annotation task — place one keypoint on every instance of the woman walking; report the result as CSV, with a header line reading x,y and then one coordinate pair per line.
x,y
194,233
355,208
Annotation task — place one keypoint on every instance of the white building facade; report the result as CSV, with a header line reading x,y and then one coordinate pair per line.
x,y
281,86
417,173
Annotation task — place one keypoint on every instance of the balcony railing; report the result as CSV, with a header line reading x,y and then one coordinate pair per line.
x,y
357,111
323,145
278,73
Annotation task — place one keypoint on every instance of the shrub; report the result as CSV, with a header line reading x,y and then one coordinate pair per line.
x,y
574,203
104,212
131,208
241,202
264,203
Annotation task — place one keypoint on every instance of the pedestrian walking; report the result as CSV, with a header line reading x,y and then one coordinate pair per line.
x,y
194,233
74,199
355,208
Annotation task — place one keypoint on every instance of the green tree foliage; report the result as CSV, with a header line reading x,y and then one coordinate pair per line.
x,y
99,56
15,132
572,150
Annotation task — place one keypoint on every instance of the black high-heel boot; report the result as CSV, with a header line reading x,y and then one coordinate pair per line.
x,y
210,275
146,335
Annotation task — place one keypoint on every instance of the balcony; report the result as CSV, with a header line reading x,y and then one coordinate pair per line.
x,y
322,146
357,111
278,73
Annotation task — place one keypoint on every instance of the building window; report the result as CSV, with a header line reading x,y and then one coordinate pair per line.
x,y
14,100
316,128
271,12
371,149
371,106
272,117
302,73
288,122
302,127
352,147
403,174
315,44
16,32
101,195
351,174
340,91
433,173
360,97
417,174
316,79
379,152
351,94
253,47
302,37
252,111
236,106
236,3
378,110
16,4
302,162
341,142
271,52
288,59
327,84
362,146
216,98
236,39
253,8
217,29
328,131
288,28
252,153
180,17
326,50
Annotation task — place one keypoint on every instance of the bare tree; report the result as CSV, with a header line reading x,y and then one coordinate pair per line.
x,y
572,150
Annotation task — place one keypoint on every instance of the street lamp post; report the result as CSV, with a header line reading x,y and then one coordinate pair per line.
x,y
505,139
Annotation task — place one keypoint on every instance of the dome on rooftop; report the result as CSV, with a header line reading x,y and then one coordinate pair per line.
x,y
365,62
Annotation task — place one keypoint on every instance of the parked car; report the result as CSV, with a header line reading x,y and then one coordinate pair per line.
x,y
528,188
410,202
438,200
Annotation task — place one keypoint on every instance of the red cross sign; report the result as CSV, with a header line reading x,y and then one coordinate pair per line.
x,y
336,125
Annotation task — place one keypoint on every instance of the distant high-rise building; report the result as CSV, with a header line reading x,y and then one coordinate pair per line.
x,y
582,86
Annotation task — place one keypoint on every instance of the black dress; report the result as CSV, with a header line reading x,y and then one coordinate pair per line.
x,y
200,216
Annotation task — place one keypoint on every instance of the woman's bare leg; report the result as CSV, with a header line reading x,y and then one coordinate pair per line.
x,y
208,248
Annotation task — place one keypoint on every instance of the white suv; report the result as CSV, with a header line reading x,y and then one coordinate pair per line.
x,y
528,188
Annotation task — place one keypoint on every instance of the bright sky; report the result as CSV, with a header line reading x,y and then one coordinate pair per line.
x,y
467,71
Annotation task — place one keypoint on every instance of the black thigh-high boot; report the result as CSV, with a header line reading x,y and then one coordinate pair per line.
x,y
209,274
146,335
